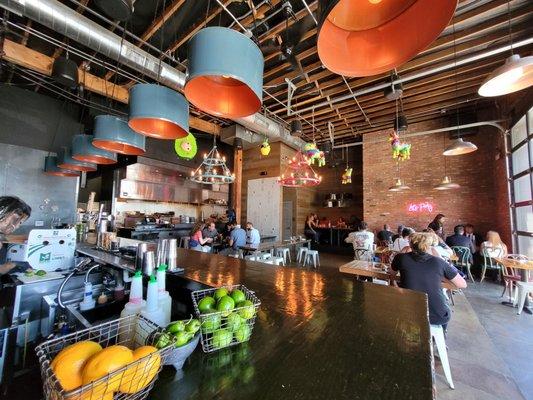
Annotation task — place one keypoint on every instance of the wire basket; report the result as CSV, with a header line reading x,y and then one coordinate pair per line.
x,y
233,333
132,382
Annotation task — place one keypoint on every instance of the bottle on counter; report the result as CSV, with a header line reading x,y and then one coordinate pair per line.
x,y
152,311
88,301
136,302
164,299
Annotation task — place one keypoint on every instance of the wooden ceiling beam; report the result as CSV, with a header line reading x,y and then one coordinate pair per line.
x,y
41,63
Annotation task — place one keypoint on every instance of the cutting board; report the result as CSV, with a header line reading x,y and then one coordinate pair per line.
x,y
36,278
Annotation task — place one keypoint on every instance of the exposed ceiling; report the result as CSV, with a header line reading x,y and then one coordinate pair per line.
x,y
321,96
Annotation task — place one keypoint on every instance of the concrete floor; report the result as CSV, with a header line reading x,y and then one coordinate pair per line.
x,y
490,347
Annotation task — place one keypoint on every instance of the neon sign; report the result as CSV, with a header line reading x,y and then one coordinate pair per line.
x,y
424,206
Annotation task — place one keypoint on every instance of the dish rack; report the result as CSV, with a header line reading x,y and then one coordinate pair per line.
x,y
132,331
206,338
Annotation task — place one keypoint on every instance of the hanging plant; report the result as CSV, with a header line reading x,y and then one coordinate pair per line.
x,y
186,147
265,147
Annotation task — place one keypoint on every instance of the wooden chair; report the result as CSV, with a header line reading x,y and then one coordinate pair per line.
x,y
464,256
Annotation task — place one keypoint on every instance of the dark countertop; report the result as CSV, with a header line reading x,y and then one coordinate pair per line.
x,y
318,335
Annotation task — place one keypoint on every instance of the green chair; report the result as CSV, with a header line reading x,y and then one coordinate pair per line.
x,y
488,254
464,259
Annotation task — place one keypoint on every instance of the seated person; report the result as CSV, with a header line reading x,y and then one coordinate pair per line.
x,y
253,238
385,235
403,241
210,231
439,248
460,240
309,229
493,246
197,240
362,239
237,238
421,271
399,233
341,223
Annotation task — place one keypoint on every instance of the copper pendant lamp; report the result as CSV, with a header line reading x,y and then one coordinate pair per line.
x,y
65,161
158,112
83,150
369,37
225,74
113,133
51,168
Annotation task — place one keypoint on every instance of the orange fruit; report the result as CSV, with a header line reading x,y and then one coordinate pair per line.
x,y
103,363
69,363
139,375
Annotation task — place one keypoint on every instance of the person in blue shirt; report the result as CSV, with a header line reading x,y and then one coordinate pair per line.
x,y
253,238
237,238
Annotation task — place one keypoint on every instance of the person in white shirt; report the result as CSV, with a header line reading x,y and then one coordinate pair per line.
x,y
493,246
362,239
403,241
253,238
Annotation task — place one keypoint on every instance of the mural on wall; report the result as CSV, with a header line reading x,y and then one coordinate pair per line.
x,y
264,201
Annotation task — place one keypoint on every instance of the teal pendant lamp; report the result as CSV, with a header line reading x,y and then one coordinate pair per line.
x,y
113,133
83,150
158,112
65,161
225,74
51,168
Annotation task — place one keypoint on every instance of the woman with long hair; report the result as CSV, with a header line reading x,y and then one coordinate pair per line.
x,y
197,240
493,246
438,225
309,230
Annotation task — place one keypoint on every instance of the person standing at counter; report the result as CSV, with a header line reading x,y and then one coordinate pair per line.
x,y
438,225
197,241
253,238
13,212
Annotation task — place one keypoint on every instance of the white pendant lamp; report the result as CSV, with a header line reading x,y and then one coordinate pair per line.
x,y
458,147
399,186
447,184
516,74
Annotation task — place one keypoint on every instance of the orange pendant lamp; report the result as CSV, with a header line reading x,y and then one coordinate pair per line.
x,y
369,37
84,150
51,168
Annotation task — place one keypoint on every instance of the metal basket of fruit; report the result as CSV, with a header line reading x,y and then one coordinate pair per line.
x,y
106,362
181,337
226,314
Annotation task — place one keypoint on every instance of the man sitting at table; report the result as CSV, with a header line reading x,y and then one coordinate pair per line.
x,y
362,241
253,238
237,238
210,231
424,272
459,239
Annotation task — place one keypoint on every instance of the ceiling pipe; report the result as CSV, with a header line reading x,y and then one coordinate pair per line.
x,y
66,21
495,124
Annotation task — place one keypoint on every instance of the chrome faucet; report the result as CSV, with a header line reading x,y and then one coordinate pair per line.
x,y
80,266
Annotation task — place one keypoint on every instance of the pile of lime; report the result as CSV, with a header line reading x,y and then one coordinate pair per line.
x,y
178,333
225,317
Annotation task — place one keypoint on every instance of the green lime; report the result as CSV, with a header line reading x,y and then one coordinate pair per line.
x,y
211,323
225,304
243,333
220,292
238,296
206,305
40,273
233,321
248,310
221,338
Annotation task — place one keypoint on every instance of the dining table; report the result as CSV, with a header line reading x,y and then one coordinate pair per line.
x,y
525,266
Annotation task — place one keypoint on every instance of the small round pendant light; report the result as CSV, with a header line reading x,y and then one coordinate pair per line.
x,y
113,133
225,75
364,38
65,161
158,112
51,168
83,150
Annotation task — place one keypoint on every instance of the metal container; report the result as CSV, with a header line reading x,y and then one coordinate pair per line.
x,y
149,263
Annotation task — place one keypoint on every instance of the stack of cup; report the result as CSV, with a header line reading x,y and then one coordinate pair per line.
x,y
172,255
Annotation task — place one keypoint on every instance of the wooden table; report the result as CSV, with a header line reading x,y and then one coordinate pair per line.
x,y
510,263
379,271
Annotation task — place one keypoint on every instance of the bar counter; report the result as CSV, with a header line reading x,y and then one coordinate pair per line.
x,y
318,335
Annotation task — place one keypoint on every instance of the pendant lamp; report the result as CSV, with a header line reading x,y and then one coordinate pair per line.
x,y
516,74
299,173
458,147
65,161
158,112
447,184
113,133
225,74
364,38
51,168
83,150
398,184
213,169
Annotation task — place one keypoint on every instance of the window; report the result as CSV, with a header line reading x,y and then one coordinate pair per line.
x,y
521,184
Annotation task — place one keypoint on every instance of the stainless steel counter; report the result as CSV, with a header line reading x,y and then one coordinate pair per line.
x,y
105,257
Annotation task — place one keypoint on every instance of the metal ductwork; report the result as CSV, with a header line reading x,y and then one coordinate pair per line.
x,y
68,22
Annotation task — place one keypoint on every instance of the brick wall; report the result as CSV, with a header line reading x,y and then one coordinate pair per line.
x,y
475,202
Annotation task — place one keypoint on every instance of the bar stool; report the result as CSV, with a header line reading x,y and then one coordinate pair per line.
x,y
184,242
264,256
437,333
312,255
284,252
302,253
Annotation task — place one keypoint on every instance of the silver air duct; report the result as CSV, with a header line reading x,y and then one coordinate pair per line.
x,y
68,22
